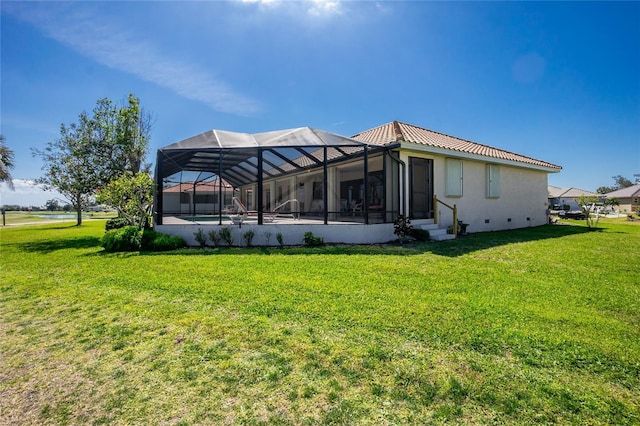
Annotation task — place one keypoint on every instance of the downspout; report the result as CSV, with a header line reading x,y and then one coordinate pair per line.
x,y
399,138
403,197
325,186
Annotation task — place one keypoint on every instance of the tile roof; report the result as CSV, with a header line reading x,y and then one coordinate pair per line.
x,y
402,132
554,191
628,192
570,192
211,186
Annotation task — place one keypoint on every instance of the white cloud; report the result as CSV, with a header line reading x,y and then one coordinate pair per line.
x,y
27,193
313,8
118,48
325,8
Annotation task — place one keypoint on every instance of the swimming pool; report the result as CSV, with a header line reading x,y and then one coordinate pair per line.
x,y
217,218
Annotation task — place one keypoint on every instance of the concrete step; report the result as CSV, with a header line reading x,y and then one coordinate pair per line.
x,y
420,222
439,234
442,237
429,227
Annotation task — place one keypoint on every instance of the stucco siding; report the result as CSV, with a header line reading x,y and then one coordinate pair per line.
x,y
522,201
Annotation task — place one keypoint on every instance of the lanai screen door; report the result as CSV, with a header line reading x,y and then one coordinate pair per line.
x,y
421,188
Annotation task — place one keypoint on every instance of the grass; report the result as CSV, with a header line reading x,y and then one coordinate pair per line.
x,y
540,325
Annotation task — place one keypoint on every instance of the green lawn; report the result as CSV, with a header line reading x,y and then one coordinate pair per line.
x,y
540,325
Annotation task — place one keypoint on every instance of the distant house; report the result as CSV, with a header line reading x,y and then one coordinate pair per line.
x,y
193,197
346,189
567,198
629,198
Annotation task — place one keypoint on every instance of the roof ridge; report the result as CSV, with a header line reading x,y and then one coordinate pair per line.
x,y
397,131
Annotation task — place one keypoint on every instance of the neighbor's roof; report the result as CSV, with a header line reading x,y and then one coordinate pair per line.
x,y
203,186
555,192
628,192
402,132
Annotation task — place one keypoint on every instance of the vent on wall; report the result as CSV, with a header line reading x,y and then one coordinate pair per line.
x,y
509,220
486,221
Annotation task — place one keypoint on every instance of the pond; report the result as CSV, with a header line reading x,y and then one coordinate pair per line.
x,y
59,216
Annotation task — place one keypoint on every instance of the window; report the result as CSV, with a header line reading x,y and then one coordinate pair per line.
x,y
318,190
204,199
493,181
453,184
184,198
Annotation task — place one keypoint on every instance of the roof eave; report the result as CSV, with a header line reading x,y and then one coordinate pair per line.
x,y
477,157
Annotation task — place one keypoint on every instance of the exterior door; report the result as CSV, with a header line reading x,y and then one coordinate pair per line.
x,y
420,188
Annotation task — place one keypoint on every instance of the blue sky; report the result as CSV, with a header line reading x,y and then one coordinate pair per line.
x,y
555,81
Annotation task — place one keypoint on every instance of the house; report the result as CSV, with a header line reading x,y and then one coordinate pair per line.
x,y
567,198
195,197
628,198
351,189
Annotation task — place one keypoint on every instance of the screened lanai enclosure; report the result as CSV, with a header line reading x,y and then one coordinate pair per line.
x,y
300,175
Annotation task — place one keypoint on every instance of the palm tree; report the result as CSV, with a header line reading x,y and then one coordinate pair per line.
x,y
6,163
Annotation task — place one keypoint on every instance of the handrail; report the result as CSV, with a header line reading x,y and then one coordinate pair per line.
x,y
454,210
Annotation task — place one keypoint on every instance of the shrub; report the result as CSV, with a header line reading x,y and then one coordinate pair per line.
x,y
267,236
280,239
248,237
128,238
116,223
311,240
402,227
225,235
419,234
214,237
200,237
157,241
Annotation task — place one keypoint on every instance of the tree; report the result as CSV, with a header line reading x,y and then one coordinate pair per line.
x,y
6,163
96,150
131,195
621,182
123,134
594,207
591,210
70,164
52,205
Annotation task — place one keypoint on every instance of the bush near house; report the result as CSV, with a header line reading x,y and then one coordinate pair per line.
x,y
132,238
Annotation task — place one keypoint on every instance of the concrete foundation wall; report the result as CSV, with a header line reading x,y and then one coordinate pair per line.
x,y
292,234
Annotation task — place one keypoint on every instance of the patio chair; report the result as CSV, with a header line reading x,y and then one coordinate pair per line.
x,y
356,207
240,207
